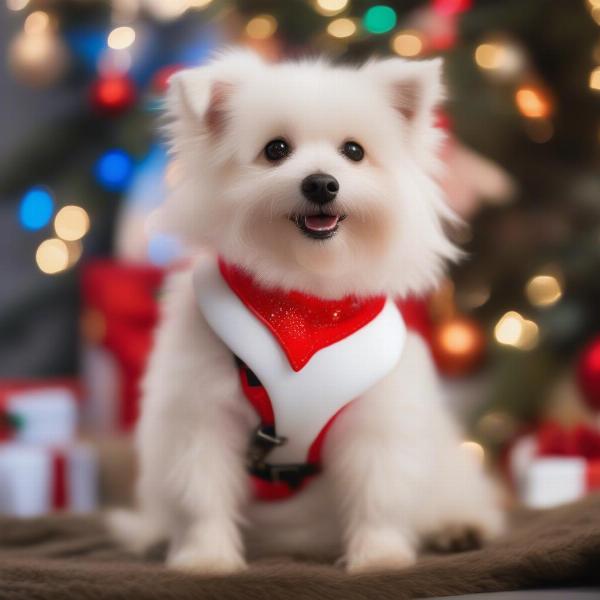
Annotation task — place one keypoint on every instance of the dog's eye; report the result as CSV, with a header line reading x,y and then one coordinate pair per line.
x,y
353,150
276,150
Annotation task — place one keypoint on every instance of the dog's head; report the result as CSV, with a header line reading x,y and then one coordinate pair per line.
x,y
311,176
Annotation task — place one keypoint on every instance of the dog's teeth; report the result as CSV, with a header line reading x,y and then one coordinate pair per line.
x,y
321,222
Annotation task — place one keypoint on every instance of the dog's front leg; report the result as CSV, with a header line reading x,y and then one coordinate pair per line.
x,y
192,439
379,459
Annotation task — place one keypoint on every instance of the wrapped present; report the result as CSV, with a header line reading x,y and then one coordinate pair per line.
x,y
555,465
40,412
36,479
119,315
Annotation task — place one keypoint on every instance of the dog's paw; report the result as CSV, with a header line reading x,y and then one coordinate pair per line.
x,y
455,538
202,561
379,551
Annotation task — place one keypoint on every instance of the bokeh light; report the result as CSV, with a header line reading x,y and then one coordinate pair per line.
x,y
36,208
514,330
261,27
71,223
341,28
52,256
380,19
543,290
113,169
407,43
474,449
329,8
37,22
16,4
532,103
595,79
121,38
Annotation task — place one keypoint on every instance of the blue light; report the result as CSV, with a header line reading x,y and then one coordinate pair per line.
x,y
114,169
36,208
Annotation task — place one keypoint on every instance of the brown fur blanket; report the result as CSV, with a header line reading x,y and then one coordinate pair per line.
x,y
66,557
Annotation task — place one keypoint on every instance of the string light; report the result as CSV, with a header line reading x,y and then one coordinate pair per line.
x,y
121,38
539,130
543,290
261,27
329,8
341,28
595,79
36,23
380,19
532,103
407,43
71,223
513,330
36,208
474,449
16,5
52,256
113,169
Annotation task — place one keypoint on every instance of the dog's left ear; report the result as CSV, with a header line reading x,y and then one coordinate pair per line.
x,y
414,88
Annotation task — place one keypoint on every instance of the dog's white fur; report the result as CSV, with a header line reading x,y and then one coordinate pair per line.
x,y
394,473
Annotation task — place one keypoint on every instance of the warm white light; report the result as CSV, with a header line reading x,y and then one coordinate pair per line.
x,y
341,28
121,38
169,10
543,290
199,3
261,27
595,79
532,103
330,7
16,4
71,223
407,43
52,256
475,450
513,330
37,22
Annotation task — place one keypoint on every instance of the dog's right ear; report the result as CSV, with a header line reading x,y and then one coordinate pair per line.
x,y
200,96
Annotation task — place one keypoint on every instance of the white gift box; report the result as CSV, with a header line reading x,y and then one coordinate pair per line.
x,y
36,479
43,415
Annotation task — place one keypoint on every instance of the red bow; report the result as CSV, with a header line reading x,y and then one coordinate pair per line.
x,y
581,440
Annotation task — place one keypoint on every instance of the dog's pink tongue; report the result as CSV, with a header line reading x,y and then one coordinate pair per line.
x,y
321,222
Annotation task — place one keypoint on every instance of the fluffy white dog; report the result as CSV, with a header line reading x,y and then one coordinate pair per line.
x,y
316,181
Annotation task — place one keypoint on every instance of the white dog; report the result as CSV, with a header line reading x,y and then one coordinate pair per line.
x,y
315,185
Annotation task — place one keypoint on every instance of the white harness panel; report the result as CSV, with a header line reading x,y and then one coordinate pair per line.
x,y
303,401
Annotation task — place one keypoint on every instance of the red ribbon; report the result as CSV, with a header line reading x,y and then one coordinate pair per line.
x,y
581,440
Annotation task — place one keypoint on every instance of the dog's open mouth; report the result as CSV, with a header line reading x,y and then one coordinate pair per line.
x,y
318,227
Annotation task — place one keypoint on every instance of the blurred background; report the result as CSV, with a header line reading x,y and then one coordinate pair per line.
x,y
515,329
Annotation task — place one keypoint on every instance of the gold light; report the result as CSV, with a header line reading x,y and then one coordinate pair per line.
x,y
474,449
513,330
52,256
595,79
543,290
71,223
489,56
37,22
121,38
532,103
407,43
261,27
16,4
341,28
330,7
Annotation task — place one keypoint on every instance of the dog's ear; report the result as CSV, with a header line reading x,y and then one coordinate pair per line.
x,y
414,88
199,97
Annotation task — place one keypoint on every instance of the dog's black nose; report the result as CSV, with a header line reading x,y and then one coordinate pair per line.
x,y
320,188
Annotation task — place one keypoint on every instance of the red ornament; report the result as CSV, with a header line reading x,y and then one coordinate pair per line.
x,y
588,373
458,346
451,7
113,94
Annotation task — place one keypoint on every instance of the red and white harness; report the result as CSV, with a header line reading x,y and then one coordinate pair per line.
x,y
301,360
